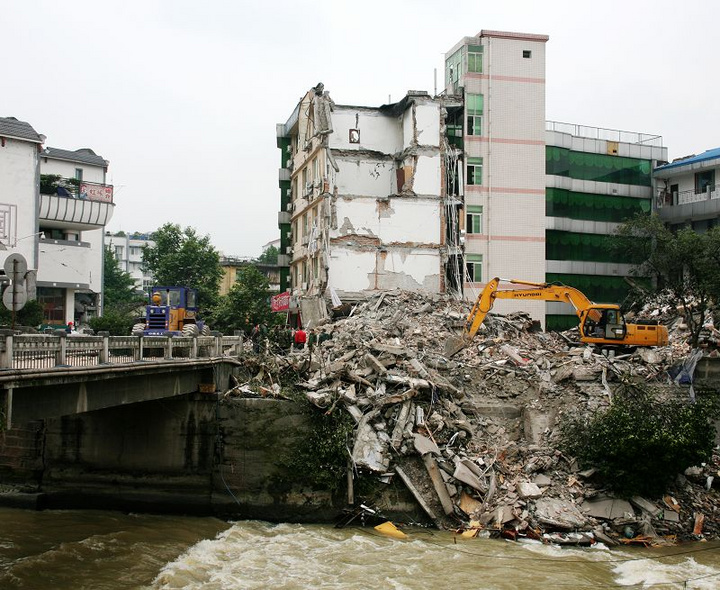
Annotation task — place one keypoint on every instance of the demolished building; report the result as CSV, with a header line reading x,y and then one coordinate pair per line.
x,y
442,193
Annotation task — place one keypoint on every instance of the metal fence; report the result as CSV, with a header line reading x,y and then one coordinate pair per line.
x,y
36,351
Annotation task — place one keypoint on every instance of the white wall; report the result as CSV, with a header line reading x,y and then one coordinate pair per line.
x,y
18,193
67,169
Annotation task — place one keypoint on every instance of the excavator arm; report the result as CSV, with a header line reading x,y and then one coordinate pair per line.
x,y
538,291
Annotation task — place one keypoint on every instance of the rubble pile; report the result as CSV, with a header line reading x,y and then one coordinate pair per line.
x,y
474,437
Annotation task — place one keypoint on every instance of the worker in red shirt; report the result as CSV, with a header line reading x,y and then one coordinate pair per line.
x,y
300,338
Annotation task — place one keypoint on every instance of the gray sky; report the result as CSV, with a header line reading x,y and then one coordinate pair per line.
x,y
183,97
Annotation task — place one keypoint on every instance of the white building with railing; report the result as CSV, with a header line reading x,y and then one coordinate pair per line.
x,y
54,204
687,193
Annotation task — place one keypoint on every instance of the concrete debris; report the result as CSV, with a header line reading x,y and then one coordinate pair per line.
x,y
474,437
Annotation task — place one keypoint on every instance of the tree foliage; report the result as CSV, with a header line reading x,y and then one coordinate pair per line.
x,y
269,256
685,262
30,315
640,443
246,304
119,287
182,258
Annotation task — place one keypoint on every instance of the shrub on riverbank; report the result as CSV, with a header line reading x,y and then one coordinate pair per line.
x,y
640,443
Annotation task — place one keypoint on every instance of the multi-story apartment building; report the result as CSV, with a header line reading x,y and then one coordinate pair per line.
x,y
55,204
501,77
687,192
596,179
128,251
363,196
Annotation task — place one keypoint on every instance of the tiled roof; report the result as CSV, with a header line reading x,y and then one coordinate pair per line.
x,y
82,156
11,127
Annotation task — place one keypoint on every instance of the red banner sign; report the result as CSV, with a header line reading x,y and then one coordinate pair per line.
x,y
280,302
96,192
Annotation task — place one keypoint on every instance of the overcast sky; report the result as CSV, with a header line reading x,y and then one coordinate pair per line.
x,y
183,97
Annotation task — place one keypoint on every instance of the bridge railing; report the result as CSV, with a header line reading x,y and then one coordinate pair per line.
x,y
43,351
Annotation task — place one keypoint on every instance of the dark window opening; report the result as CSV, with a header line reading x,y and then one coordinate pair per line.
x,y
527,53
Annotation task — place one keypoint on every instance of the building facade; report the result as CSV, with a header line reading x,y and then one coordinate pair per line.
x,y
596,179
363,196
128,251
501,78
54,205
687,193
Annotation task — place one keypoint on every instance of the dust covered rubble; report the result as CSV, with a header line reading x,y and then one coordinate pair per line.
x,y
473,437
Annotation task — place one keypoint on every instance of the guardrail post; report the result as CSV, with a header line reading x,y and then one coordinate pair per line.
x,y
61,355
218,343
168,348
194,348
7,361
138,351
105,352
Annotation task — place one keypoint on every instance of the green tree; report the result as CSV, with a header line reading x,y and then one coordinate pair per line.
x,y
246,304
30,315
686,263
641,442
269,256
182,258
119,288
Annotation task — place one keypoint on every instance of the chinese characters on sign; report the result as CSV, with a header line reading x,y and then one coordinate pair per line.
x,y
280,302
96,192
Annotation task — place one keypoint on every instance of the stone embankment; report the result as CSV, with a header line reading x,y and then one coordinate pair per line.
x,y
475,437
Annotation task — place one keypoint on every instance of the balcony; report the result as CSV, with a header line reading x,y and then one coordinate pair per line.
x,y
83,205
688,205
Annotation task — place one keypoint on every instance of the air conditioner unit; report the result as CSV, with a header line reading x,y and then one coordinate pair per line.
x,y
288,250
304,286
289,207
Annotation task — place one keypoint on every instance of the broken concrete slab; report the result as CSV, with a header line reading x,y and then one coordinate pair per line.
x,y
527,490
369,451
465,475
542,480
646,506
608,508
423,445
558,513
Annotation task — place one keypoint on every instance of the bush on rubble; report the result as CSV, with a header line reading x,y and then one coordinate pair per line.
x,y
640,442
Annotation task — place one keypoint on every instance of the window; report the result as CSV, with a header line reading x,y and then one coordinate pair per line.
x,y
703,180
474,105
598,167
118,252
473,219
527,53
453,69
474,171
135,250
78,174
475,62
473,267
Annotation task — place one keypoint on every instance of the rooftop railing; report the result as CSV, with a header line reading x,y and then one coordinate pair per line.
x,y
604,134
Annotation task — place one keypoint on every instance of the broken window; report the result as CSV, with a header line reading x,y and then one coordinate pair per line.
x,y
475,59
473,267
474,170
703,180
474,104
453,69
474,219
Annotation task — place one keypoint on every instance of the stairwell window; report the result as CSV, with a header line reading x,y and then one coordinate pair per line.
x,y
474,171
473,219
473,268
474,104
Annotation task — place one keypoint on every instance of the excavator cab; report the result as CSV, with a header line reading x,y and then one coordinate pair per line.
x,y
603,323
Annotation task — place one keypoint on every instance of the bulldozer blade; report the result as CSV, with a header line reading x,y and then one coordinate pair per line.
x,y
455,344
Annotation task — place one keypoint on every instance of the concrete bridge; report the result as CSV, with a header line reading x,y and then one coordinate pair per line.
x,y
44,376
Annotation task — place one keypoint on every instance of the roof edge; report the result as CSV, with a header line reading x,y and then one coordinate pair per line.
x,y
516,36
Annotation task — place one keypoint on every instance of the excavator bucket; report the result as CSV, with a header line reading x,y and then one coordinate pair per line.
x,y
455,344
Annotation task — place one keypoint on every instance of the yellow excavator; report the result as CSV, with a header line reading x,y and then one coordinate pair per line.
x,y
601,324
